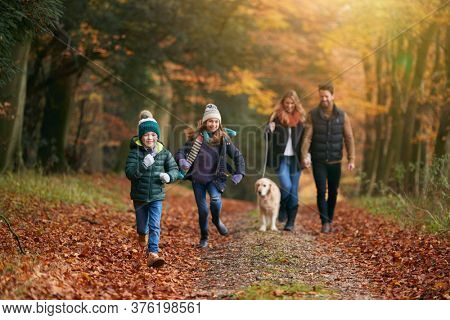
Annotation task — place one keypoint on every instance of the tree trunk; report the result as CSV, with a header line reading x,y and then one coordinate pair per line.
x,y
14,94
95,138
442,144
377,161
381,133
34,106
370,130
412,102
425,169
417,168
59,100
393,124
66,68
397,124
122,154
178,120
163,116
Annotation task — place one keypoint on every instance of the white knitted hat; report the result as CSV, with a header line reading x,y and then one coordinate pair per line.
x,y
211,112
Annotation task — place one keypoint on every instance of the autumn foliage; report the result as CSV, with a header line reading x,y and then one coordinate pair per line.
x,y
77,252
91,252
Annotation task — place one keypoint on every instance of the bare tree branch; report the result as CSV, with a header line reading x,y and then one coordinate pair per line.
x,y
13,233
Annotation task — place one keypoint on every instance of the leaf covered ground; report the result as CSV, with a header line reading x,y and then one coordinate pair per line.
x,y
78,251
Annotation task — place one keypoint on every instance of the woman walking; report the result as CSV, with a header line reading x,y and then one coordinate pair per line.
x,y
284,135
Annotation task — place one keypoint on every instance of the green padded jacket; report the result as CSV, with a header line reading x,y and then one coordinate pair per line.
x,y
146,185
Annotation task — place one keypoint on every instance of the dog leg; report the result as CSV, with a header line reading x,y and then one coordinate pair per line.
x,y
263,222
274,221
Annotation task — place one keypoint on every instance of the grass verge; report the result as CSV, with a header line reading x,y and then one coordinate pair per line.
x,y
407,212
73,189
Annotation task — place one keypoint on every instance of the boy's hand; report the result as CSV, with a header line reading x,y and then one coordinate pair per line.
x,y
165,178
148,160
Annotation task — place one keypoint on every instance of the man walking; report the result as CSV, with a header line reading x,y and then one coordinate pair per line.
x,y
327,129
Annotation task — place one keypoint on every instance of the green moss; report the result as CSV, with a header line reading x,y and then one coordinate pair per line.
x,y
279,257
266,290
254,213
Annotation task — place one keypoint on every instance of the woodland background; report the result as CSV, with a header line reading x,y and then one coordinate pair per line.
x,y
75,74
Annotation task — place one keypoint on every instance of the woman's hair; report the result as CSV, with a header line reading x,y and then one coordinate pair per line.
x,y
286,118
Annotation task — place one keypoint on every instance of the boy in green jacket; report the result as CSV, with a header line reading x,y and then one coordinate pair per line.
x,y
149,167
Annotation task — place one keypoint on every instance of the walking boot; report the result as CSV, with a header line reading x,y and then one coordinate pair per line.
x,y
219,224
203,243
282,213
221,228
291,215
326,227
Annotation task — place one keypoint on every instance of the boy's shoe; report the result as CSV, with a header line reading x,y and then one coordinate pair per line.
x,y
142,239
203,243
221,228
154,260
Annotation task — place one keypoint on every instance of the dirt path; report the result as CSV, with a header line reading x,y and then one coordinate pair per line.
x,y
366,257
282,259
279,259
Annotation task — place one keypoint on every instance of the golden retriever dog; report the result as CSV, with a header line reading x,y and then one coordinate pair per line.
x,y
268,195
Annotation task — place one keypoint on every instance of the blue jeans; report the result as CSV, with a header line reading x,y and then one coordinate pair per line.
x,y
289,176
148,220
215,205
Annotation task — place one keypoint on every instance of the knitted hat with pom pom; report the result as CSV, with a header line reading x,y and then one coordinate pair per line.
x,y
147,124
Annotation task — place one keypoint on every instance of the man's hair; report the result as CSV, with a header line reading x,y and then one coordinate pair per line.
x,y
327,86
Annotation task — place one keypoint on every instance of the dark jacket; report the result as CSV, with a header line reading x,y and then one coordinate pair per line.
x,y
225,148
146,185
328,135
277,141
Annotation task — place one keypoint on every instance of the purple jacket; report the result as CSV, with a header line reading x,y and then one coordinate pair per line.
x,y
211,162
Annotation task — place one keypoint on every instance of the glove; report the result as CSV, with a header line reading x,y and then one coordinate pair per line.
x,y
184,164
148,160
236,178
165,178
